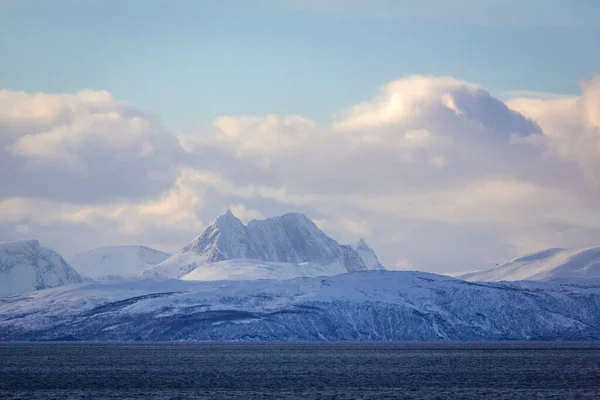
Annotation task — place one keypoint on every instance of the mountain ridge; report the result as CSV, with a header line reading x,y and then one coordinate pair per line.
x,y
368,255
27,266
359,306
116,262
291,238
548,264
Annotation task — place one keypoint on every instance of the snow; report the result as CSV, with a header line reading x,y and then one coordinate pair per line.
x,y
368,256
253,269
18,280
26,266
291,242
366,305
117,262
550,264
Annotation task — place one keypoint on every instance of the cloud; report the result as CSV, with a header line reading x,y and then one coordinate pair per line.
x,y
245,214
591,102
571,128
416,132
424,153
85,147
166,222
434,172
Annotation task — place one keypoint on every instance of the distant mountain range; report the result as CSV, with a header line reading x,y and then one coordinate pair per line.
x,y
552,264
284,247
365,305
282,278
117,262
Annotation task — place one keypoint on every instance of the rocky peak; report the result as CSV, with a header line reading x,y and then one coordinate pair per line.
x,y
289,238
362,245
367,254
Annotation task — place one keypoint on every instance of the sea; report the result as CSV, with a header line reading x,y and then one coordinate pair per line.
x,y
506,370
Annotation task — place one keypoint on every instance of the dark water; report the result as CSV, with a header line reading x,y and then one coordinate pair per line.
x,y
300,371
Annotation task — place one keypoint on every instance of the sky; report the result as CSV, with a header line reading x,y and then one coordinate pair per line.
x,y
451,135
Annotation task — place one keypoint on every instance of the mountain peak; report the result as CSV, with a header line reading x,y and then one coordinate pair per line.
x,y
295,215
227,214
289,238
362,245
26,266
227,218
19,245
116,262
224,239
368,255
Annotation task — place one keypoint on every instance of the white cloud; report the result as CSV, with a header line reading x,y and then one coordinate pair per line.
x,y
166,222
571,128
403,265
245,214
431,170
274,133
591,102
85,147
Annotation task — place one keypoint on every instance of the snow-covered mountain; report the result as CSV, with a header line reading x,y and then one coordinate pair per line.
x,y
282,247
244,269
368,255
26,266
367,305
117,262
563,264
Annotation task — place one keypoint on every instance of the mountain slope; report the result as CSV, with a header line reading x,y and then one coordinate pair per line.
x,y
368,256
117,261
243,269
290,239
26,266
572,264
368,305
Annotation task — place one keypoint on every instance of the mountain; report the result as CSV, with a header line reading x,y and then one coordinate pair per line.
x,y
366,305
368,256
244,269
282,247
563,264
26,266
117,262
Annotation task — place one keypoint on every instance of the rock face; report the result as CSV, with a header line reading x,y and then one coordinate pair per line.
x,y
551,264
117,262
289,239
25,266
367,305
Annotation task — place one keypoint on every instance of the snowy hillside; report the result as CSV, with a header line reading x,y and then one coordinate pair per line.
x,y
26,266
252,269
368,305
291,242
116,262
563,264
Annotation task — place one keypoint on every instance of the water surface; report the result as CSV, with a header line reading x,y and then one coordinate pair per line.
x,y
300,371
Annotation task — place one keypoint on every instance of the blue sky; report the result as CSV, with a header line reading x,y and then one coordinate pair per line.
x,y
191,61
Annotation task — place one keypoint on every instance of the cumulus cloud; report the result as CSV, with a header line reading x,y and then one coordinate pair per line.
x,y
85,147
424,153
571,128
433,172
